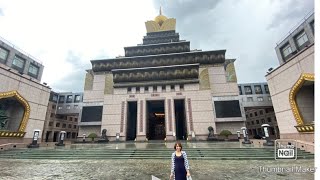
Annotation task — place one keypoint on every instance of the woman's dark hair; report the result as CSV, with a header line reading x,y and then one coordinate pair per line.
x,y
177,143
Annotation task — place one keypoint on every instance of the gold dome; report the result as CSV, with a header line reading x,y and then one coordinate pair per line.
x,y
160,19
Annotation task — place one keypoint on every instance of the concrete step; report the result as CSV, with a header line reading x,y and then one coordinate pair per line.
x,y
193,153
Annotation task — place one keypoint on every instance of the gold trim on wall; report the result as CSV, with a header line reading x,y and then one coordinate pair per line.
x,y
301,126
25,118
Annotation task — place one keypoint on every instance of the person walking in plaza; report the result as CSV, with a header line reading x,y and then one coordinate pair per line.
x,y
179,163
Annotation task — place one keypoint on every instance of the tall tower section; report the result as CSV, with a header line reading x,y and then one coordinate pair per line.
x,y
161,90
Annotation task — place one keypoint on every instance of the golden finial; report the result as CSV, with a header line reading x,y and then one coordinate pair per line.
x,y
161,23
160,18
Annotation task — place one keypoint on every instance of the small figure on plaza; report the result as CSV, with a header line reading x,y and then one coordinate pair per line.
x,y
104,134
103,138
211,134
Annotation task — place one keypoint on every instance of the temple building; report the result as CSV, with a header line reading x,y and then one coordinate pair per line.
x,y
291,84
161,90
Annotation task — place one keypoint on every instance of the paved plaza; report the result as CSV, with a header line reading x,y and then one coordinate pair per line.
x,y
143,169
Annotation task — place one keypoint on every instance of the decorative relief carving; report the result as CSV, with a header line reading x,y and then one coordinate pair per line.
x,y
301,126
88,84
190,114
155,74
20,133
161,40
168,24
169,115
141,116
108,88
305,128
163,49
231,75
122,116
214,57
204,79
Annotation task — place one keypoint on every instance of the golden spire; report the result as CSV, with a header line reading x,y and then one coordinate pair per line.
x,y
161,23
161,18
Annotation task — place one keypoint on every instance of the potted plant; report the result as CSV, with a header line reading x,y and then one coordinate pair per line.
x,y
92,136
225,133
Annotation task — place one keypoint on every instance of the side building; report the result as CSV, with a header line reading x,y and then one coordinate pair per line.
x,y
162,90
256,100
23,99
292,83
62,115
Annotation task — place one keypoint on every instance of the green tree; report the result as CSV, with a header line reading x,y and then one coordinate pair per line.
x,y
225,133
92,136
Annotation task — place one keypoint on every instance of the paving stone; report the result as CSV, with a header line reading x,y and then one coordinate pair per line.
x,y
144,169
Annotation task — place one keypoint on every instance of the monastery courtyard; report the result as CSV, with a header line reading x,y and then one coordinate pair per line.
x,y
146,168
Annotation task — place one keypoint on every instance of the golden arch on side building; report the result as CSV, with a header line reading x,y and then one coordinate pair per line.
x,y
302,124
22,123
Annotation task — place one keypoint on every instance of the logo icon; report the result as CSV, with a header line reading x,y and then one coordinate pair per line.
x,y
285,149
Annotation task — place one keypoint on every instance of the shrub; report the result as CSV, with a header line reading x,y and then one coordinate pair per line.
x,y
225,133
92,136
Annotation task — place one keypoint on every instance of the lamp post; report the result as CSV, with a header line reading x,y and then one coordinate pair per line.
x,y
245,136
117,137
61,138
35,137
268,142
238,133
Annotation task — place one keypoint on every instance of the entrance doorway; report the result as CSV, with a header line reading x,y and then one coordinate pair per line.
x,y
180,116
55,136
48,135
132,121
155,120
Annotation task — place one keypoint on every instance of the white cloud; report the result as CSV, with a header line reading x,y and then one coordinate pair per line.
x,y
248,30
50,30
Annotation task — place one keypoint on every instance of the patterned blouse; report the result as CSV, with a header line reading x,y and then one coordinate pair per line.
x,y
186,163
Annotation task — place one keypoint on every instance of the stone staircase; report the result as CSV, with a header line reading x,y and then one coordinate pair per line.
x,y
133,153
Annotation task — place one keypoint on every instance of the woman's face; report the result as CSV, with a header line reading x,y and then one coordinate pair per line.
x,y
178,148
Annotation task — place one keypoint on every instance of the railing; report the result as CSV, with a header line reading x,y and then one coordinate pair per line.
x,y
296,26
20,50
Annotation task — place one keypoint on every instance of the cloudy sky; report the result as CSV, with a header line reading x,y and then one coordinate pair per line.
x,y
66,35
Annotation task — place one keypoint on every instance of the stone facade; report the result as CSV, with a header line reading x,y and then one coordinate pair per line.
x,y
256,100
20,61
62,115
35,94
292,83
161,80
281,81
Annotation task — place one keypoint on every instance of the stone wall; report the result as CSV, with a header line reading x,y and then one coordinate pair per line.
x,y
88,130
280,82
37,96
218,83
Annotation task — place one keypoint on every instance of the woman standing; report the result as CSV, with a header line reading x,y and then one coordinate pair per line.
x,y
179,163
